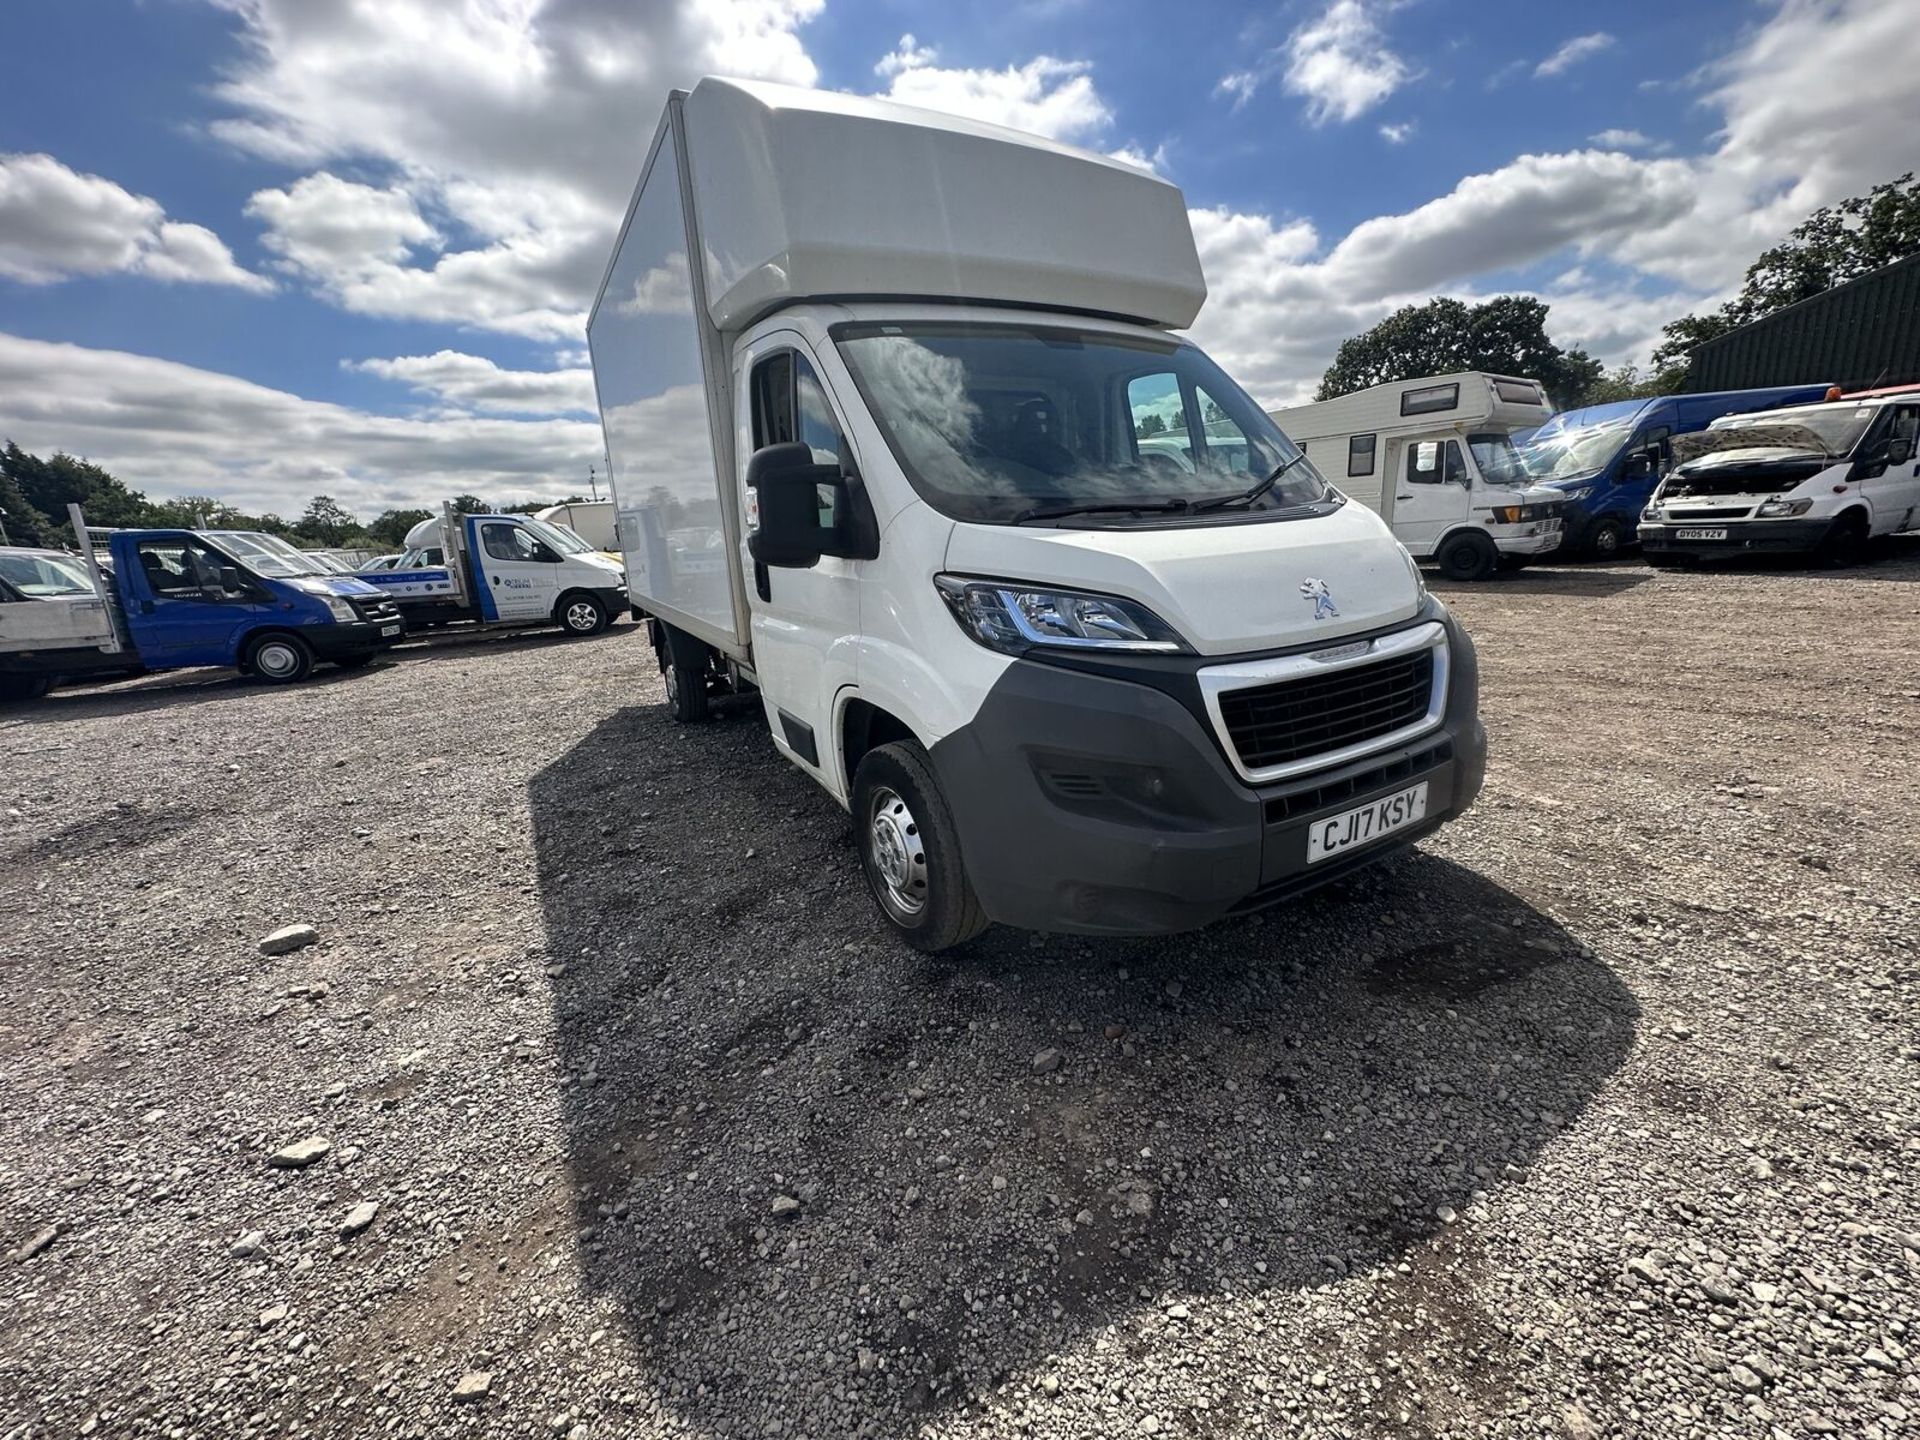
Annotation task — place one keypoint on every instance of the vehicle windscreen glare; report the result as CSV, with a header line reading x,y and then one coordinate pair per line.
x,y
45,577
1825,431
992,421
1499,462
267,554
1555,453
559,537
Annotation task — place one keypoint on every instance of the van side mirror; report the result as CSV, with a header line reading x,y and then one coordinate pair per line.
x,y
807,509
1899,450
1641,464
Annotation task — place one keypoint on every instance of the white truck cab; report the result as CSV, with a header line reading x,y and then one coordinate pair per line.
x,y
883,460
1808,479
1435,458
503,570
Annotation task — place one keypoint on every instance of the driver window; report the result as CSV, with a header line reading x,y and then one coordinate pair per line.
x,y
182,569
1226,442
504,541
1906,429
790,403
1435,462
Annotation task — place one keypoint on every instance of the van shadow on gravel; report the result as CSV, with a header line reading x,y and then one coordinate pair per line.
x,y
1271,1104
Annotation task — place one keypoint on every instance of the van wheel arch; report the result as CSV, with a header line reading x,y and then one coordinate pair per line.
x,y
1845,542
865,726
296,665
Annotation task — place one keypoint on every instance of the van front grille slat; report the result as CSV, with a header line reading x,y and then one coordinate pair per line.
x,y
1292,720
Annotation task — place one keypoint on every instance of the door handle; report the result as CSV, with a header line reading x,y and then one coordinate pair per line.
x,y
496,579
1403,497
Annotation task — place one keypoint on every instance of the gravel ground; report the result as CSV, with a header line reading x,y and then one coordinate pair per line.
x,y
1593,1115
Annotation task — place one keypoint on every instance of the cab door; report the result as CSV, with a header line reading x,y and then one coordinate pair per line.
x,y
195,601
519,572
805,623
1894,493
1433,494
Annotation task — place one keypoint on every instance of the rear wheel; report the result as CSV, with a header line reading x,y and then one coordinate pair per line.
x,y
910,849
684,664
1845,543
582,614
15,688
1608,539
1468,557
280,659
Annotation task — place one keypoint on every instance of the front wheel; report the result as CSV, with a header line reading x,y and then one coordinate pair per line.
x,y
1468,557
1845,544
1608,539
582,614
280,659
910,849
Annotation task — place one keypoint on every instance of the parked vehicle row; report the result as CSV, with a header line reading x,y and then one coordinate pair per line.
x,y
132,601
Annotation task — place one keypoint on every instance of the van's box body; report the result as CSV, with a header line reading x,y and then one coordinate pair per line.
x,y
884,395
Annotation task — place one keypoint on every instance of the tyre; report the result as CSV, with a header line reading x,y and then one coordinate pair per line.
x,y
579,613
1845,543
1468,557
354,662
910,849
279,659
21,688
1608,539
684,663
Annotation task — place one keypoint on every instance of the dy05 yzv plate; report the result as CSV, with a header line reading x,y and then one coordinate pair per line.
x,y
1718,532
1367,822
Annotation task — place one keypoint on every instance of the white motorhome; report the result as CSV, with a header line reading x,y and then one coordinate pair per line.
x,y
877,455
591,520
1435,458
1810,479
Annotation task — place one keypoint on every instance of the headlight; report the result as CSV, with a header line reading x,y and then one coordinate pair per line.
x,y
1770,508
1582,493
1516,514
1014,618
1653,513
342,611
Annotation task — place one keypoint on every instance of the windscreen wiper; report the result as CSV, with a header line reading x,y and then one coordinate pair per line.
x,y
1247,497
1134,507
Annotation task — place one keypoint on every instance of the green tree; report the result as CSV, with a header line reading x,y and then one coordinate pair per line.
x,y
470,505
19,518
326,520
1833,245
1152,423
390,527
1506,335
49,486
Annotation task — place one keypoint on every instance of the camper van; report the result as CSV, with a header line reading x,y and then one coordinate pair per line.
x,y
875,384
1435,459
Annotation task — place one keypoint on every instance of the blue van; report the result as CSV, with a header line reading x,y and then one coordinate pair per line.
x,y
1606,459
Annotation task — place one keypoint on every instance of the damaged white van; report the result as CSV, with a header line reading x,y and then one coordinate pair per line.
x,y
881,458
1811,479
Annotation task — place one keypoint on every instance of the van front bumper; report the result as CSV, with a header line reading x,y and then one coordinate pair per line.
x,y
352,637
1094,804
1744,537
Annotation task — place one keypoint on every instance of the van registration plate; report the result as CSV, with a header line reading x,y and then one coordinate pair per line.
x,y
1337,833
386,630
1718,532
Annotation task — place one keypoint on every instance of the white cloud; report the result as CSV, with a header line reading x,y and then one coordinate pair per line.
x,y
1398,134
1339,63
1581,47
171,429
1045,96
56,223
1621,140
473,382
1133,155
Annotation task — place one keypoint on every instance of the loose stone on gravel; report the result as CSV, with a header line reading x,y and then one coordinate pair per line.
x,y
302,1153
249,1245
359,1218
784,1207
289,938
473,1387
1047,1061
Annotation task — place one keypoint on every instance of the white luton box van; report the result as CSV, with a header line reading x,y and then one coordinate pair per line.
x,y
874,383
1435,457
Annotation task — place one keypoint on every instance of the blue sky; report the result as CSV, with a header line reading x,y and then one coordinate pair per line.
x,y
269,247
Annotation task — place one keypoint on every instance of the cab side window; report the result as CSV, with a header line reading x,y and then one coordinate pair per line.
x,y
789,404
1904,437
184,569
505,541
1435,462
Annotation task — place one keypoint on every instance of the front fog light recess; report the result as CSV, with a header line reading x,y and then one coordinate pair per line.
x,y
1013,618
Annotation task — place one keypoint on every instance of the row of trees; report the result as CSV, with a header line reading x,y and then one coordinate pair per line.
x,y
35,493
1508,334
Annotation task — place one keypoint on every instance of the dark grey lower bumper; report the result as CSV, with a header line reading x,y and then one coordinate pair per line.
x,y
357,637
1095,805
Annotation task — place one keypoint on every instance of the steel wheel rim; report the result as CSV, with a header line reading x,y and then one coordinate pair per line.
x,y
896,855
582,616
1607,540
276,660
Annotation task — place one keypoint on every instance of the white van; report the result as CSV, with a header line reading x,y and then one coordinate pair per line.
x,y
1436,458
591,520
878,460
1810,479
502,570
